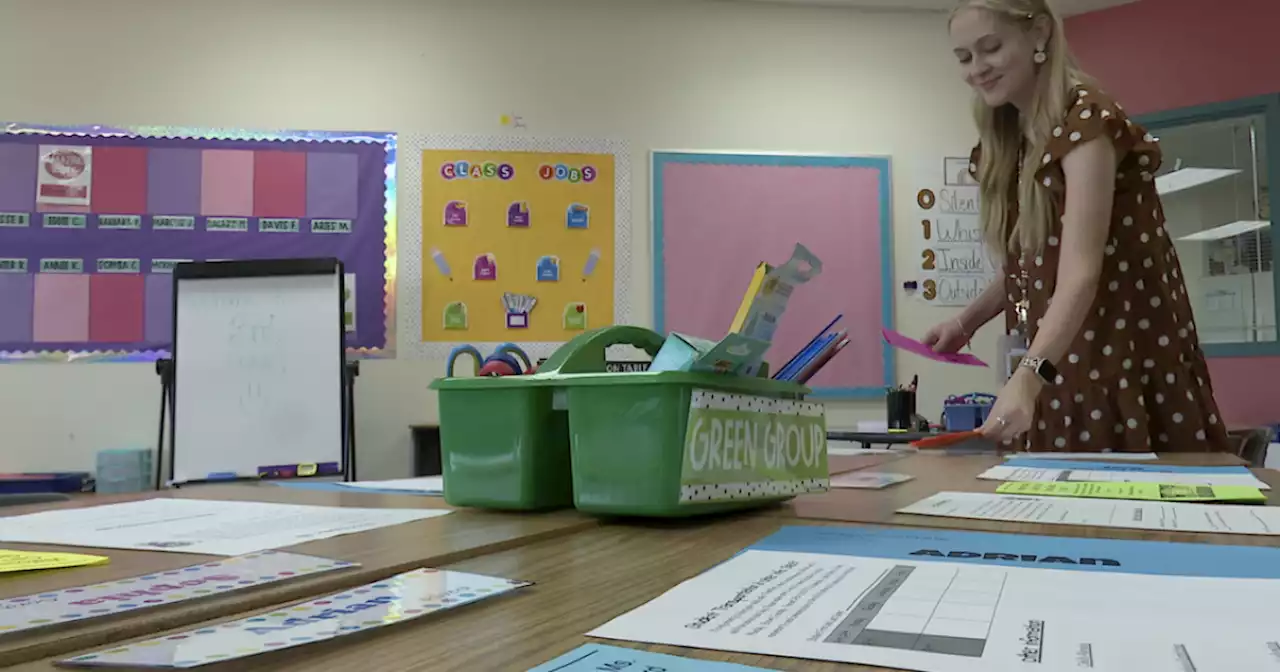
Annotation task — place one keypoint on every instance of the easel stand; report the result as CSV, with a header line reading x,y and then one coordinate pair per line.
x,y
164,369
350,371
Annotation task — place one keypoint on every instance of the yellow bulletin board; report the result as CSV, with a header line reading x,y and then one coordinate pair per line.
x,y
502,227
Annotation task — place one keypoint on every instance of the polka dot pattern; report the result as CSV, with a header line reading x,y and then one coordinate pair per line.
x,y
724,401
400,598
1136,372
760,490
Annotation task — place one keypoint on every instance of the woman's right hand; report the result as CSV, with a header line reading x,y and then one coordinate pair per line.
x,y
946,337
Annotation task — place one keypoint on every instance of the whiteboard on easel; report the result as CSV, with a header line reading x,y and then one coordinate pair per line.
x,y
258,369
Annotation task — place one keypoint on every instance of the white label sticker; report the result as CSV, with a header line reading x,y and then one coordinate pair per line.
x,y
13,265
173,223
64,221
15,219
226,224
165,265
278,225
119,265
62,265
119,221
330,226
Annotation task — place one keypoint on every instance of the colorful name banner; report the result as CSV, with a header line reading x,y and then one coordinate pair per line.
x,y
42,610
403,597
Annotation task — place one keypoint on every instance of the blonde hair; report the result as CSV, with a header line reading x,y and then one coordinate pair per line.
x,y
1001,134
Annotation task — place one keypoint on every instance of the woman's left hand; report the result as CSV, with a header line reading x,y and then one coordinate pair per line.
x,y
1014,409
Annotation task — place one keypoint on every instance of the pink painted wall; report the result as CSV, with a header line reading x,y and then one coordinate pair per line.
x,y
1156,55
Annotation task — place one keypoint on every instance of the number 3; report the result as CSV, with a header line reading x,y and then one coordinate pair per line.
x,y
929,260
930,290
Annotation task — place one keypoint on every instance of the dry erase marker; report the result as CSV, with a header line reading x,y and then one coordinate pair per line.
x,y
438,257
592,260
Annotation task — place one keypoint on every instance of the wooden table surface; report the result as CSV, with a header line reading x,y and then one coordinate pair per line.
x,y
381,553
581,581
597,573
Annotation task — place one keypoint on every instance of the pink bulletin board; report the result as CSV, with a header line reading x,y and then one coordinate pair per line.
x,y
715,216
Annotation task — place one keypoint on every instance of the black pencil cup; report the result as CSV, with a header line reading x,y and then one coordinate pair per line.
x,y
901,405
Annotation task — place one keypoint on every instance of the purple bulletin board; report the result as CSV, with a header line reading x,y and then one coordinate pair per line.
x,y
716,216
93,219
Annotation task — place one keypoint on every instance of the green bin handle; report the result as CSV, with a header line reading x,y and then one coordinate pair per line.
x,y
585,353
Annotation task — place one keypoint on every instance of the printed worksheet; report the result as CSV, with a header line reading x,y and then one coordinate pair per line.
x,y
1138,515
938,601
1025,470
199,525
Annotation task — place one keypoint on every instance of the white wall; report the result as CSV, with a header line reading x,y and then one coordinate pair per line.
x,y
688,74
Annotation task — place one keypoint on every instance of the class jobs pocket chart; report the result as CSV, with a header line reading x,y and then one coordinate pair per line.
x,y
516,245
91,227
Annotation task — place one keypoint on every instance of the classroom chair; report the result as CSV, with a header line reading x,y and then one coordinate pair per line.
x,y
1252,444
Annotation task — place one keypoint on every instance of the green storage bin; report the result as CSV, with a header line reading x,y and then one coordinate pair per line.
x,y
504,442
614,443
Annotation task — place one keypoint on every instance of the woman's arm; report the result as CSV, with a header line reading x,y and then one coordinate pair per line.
x,y
1089,173
985,308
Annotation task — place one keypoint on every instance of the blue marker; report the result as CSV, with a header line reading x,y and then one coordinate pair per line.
x,y
222,476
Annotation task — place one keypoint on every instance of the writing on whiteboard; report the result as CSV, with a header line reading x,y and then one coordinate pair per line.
x,y
961,201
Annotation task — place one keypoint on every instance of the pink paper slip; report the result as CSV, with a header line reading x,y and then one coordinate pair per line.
x,y
911,345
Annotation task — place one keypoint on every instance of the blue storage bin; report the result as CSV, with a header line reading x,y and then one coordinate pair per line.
x,y
966,412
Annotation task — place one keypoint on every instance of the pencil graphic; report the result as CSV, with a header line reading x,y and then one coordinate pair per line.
x,y
441,263
590,267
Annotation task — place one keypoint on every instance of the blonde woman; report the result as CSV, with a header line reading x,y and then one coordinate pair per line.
x,y
1091,278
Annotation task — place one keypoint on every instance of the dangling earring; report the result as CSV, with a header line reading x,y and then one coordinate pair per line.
x,y
1040,56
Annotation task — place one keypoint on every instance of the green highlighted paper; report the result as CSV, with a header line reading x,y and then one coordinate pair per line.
x,y
1163,492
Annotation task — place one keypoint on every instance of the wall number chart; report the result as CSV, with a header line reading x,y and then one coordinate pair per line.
x,y
93,221
515,239
953,265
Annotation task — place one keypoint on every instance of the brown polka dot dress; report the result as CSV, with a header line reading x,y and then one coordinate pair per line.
x,y
1134,378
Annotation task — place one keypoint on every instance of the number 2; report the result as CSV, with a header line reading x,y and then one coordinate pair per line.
x,y
929,260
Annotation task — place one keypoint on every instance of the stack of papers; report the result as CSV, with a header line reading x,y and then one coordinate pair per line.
x,y
942,601
1137,515
1082,456
204,526
1160,492
1104,472
423,485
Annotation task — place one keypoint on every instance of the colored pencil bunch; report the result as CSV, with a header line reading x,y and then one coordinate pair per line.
x,y
815,355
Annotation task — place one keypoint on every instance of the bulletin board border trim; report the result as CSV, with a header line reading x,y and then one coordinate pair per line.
x,y
412,263
387,139
882,164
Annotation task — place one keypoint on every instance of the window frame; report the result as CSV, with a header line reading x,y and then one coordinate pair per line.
x,y
1268,107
